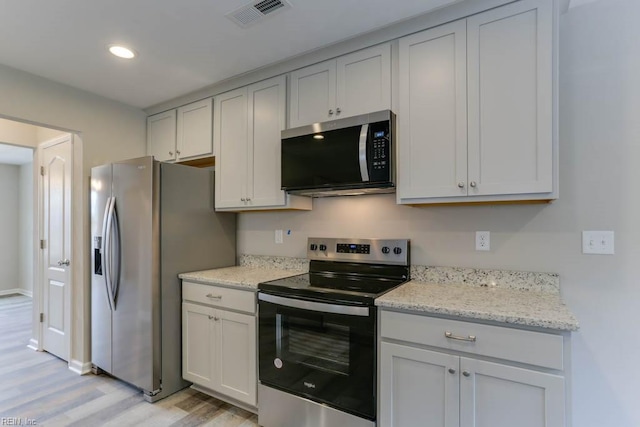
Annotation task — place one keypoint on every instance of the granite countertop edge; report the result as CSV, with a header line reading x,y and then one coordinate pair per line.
x,y
242,277
532,308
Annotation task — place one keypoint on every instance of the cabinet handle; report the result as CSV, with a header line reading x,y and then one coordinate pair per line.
x,y
248,199
217,318
212,296
452,371
330,112
472,184
177,152
210,317
338,110
461,184
470,338
243,199
171,153
466,373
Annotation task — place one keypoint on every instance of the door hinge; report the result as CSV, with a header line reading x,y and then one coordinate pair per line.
x,y
41,317
43,244
42,170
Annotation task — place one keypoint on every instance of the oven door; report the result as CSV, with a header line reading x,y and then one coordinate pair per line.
x,y
319,350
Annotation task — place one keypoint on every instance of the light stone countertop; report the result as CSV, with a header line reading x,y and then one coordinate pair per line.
x,y
492,303
238,276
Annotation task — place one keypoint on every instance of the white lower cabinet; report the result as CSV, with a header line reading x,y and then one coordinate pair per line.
x,y
218,344
449,387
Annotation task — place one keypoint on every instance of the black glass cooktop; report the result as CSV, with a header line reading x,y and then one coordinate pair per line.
x,y
343,282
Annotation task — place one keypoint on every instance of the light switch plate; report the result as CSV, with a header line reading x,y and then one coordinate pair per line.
x,y
279,236
598,242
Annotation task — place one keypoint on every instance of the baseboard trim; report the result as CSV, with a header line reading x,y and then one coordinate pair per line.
x,y
33,344
17,291
80,368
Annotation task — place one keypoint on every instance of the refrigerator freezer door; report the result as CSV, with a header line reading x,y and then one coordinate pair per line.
x,y
100,307
136,318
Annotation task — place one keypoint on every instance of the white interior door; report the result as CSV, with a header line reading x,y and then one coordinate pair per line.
x,y
56,169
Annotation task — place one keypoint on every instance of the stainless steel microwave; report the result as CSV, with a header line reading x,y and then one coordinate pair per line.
x,y
341,157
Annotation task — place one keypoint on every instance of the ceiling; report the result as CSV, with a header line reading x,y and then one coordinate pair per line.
x,y
12,155
183,45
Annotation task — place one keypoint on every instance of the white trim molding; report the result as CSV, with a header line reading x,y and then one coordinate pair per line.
x,y
17,291
79,367
33,345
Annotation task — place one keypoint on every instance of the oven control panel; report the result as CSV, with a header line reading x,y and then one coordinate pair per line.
x,y
373,251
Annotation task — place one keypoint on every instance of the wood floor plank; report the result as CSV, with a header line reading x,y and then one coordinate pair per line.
x,y
39,386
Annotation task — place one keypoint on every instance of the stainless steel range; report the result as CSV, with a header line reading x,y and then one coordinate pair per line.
x,y
317,334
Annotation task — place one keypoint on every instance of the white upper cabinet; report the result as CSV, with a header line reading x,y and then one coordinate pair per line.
x,y
230,138
433,105
181,134
161,136
352,84
248,122
194,132
477,108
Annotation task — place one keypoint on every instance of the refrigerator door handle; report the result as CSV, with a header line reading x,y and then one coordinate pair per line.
x,y
109,253
105,250
115,234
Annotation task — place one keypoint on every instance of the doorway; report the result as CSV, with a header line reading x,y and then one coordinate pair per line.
x,y
50,214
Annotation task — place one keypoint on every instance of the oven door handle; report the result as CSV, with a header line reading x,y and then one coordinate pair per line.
x,y
315,306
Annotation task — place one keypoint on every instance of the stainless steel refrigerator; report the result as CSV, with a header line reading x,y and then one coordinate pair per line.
x,y
150,221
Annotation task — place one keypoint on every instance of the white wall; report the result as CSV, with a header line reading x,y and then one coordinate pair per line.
x,y
599,176
25,227
8,227
109,131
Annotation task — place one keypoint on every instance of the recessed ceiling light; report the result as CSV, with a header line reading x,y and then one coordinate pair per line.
x,y
122,51
318,137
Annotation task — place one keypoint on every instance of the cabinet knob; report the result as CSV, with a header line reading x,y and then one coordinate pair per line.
x,y
178,152
216,318
171,153
466,373
330,112
452,371
472,184
338,110
243,199
461,184
248,199
210,317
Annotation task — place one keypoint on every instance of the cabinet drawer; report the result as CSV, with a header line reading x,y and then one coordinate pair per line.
x,y
218,296
534,348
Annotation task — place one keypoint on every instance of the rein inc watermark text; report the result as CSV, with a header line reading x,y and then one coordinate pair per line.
x,y
17,421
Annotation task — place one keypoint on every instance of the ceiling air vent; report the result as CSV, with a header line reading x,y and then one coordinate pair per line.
x,y
256,11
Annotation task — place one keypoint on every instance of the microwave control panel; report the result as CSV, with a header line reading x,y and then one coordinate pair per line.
x,y
379,151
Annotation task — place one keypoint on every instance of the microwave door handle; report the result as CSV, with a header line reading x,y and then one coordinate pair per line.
x,y
362,149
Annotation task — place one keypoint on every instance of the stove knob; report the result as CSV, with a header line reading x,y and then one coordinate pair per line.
x,y
323,247
397,250
385,249
313,247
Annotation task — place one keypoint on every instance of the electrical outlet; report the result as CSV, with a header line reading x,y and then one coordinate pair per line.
x,y
483,241
279,238
598,242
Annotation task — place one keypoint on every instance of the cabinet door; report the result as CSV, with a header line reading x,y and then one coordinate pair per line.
x,y
194,130
363,81
230,130
418,387
235,356
510,99
495,395
267,109
161,136
313,94
197,344
432,117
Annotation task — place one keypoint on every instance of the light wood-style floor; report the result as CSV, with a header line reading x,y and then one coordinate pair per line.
x,y
37,388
